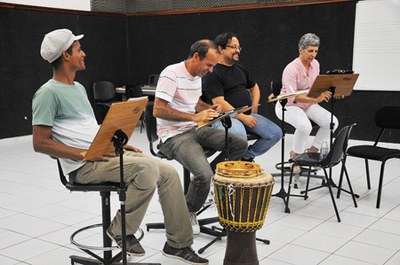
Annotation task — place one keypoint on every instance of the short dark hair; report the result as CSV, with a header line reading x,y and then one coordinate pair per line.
x,y
202,47
58,61
224,38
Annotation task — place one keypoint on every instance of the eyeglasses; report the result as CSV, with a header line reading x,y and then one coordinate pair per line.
x,y
235,47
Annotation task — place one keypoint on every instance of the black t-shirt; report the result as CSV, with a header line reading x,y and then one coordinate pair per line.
x,y
230,82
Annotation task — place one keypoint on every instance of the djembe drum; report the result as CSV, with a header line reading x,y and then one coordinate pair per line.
x,y
242,194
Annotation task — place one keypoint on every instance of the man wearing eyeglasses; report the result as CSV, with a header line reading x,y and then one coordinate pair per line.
x,y
230,86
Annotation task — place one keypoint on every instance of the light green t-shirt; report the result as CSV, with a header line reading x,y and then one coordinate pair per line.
x,y
67,110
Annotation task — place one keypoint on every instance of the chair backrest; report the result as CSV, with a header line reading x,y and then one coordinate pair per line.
x,y
72,186
151,126
388,117
63,179
153,79
339,147
276,87
133,91
103,91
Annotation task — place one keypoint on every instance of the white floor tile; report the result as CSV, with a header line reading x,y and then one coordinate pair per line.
x,y
386,225
320,242
28,249
379,239
10,238
394,260
365,253
335,260
340,230
298,255
59,256
37,218
8,261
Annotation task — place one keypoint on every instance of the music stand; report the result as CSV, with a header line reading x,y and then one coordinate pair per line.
x,y
120,121
283,100
340,85
122,115
225,115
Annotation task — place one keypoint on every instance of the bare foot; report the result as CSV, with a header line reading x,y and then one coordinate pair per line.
x,y
312,149
293,154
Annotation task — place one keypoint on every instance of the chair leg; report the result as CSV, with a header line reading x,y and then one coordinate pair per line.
x,y
287,210
331,193
378,200
339,187
341,177
350,187
308,183
367,172
106,218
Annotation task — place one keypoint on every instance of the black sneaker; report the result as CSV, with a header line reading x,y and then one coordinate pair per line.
x,y
133,247
185,254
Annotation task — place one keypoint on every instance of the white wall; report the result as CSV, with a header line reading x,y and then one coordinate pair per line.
x,y
377,45
83,5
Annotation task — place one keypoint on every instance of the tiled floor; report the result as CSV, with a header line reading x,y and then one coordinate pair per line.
x,y
37,216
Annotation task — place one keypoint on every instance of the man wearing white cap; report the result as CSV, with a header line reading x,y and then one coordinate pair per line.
x,y
64,126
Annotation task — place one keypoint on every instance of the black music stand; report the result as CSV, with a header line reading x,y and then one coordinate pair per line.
x,y
340,85
283,100
120,121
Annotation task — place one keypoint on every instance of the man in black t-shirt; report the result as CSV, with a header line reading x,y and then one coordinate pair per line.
x,y
230,86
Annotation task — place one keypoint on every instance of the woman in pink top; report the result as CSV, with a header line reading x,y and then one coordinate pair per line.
x,y
299,75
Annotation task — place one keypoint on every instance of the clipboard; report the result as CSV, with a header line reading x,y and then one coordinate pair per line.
x,y
231,113
288,95
343,84
123,116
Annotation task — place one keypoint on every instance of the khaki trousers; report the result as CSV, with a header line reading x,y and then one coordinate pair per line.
x,y
142,176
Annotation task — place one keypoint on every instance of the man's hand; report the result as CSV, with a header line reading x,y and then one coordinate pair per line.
x,y
217,107
132,148
248,120
271,96
105,157
205,115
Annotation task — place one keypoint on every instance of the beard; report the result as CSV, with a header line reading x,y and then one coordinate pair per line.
x,y
236,57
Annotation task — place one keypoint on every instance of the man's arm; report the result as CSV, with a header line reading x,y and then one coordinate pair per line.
x,y
255,97
201,105
248,120
163,111
43,143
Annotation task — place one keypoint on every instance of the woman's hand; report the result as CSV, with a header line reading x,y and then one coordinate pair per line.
x,y
325,96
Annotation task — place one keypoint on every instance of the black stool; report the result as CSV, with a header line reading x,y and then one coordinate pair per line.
x,y
108,259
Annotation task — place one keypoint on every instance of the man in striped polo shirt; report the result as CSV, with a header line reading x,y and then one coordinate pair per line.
x,y
178,109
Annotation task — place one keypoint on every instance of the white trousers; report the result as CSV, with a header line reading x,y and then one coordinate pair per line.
x,y
300,120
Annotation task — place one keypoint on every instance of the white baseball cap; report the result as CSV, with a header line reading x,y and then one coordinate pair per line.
x,y
56,42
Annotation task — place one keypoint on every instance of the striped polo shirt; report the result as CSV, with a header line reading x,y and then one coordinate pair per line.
x,y
182,91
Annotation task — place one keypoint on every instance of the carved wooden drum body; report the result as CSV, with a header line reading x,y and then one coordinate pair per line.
x,y
242,195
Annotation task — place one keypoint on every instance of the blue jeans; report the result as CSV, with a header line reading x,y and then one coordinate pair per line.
x,y
269,133
188,149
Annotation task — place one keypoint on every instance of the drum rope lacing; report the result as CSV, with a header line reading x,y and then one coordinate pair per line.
x,y
231,192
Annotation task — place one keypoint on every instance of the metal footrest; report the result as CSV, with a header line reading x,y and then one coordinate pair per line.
x,y
100,248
